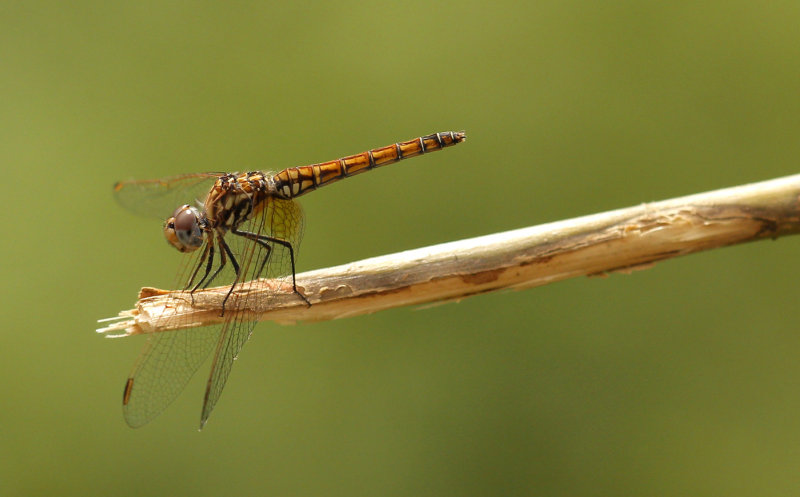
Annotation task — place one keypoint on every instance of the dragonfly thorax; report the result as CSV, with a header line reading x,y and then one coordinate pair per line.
x,y
235,198
184,229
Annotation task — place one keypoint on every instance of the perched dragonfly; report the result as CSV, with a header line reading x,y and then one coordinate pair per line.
x,y
265,224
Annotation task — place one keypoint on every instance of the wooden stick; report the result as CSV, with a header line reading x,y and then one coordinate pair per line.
x,y
616,241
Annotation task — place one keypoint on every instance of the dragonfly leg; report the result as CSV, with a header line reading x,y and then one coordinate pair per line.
x,y
208,259
222,262
227,250
263,241
268,248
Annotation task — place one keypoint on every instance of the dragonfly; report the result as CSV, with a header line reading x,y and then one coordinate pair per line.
x,y
238,227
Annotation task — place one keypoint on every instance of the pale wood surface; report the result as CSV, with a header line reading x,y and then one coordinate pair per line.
x,y
619,240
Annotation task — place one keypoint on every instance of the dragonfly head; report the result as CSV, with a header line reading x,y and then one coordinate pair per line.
x,y
184,229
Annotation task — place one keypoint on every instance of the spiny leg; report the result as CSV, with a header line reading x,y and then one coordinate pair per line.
x,y
208,258
264,259
208,250
261,240
222,262
236,270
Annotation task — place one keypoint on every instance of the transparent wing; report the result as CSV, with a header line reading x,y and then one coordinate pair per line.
x,y
160,197
279,219
165,365
170,358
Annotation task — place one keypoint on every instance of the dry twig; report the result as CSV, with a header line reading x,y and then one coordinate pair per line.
x,y
620,240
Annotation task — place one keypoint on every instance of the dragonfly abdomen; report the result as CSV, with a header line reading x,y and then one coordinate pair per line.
x,y
296,181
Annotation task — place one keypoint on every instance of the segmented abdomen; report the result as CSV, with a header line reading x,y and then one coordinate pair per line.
x,y
296,181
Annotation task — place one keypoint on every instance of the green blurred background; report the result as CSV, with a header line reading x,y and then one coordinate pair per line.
x,y
682,379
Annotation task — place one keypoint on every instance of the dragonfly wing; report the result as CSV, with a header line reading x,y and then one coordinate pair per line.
x,y
160,197
278,219
281,219
165,365
235,334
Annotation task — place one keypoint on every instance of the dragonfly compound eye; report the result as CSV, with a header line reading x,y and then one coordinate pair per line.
x,y
182,229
